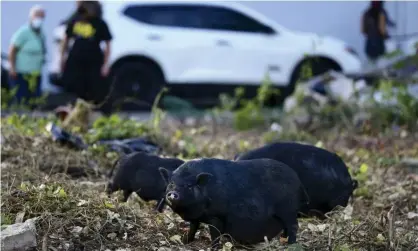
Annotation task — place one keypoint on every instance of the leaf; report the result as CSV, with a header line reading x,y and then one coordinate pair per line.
x,y
363,168
81,203
178,134
170,226
176,239
295,247
348,212
380,238
23,186
319,144
76,230
109,205
60,192
112,236
227,246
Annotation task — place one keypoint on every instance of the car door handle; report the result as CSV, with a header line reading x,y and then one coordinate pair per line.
x,y
222,42
154,37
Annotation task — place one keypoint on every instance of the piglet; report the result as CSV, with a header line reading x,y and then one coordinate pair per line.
x,y
138,172
247,199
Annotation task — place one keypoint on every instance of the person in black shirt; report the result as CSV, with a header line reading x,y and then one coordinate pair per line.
x,y
374,22
86,67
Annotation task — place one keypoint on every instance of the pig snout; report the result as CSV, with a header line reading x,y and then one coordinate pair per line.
x,y
172,196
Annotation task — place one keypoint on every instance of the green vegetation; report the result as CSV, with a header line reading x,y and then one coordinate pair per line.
x,y
76,211
37,174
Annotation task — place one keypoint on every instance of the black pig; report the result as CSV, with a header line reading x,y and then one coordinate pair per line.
x,y
323,174
246,199
138,172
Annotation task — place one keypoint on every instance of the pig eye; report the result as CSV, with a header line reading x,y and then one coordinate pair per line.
x,y
171,185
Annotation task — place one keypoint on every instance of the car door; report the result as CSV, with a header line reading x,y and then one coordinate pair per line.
x,y
174,39
247,49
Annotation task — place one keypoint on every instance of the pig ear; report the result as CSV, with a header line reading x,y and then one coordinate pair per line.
x,y
203,178
165,174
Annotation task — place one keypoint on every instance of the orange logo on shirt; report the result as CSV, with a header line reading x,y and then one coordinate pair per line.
x,y
83,29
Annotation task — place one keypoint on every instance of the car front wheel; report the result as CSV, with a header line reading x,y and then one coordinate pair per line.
x,y
135,83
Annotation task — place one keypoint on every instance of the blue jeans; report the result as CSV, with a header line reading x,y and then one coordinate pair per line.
x,y
25,90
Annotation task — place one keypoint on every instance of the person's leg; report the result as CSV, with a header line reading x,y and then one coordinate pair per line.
x,y
73,77
96,85
21,88
36,92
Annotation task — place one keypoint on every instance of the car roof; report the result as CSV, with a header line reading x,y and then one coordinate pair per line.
x,y
119,5
146,2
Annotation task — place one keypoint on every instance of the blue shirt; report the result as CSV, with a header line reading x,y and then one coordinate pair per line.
x,y
30,50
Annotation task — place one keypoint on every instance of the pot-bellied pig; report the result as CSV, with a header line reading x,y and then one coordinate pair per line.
x,y
323,174
246,200
138,172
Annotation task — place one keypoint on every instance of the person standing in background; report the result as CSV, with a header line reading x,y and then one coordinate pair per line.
x,y
85,70
373,27
27,56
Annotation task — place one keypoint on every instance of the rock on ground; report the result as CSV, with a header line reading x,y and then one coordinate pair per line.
x,y
19,236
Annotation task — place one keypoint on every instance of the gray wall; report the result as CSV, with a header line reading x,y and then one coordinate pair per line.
x,y
337,18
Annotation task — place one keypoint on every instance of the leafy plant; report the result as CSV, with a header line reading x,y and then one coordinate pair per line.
x,y
248,113
399,106
156,112
113,127
7,100
27,125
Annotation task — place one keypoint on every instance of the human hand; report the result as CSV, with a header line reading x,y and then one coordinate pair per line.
x,y
105,71
62,66
12,73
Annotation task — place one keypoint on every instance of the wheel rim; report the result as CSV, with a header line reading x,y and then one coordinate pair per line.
x,y
133,87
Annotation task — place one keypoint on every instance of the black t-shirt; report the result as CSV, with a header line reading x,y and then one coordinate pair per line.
x,y
87,35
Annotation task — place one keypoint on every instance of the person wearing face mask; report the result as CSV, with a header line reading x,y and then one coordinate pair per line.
x,y
85,69
26,57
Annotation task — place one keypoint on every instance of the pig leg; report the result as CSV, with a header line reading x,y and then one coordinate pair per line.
x,y
160,206
291,229
126,194
216,228
290,223
194,226
284,233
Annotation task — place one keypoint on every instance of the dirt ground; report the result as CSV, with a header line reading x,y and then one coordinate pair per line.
x,y
75,213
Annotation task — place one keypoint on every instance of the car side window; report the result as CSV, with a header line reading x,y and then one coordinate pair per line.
x,y
220,18
181,16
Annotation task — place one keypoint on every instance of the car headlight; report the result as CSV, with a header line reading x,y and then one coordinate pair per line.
x,y
351,51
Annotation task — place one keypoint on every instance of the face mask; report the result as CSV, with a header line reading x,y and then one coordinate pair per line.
x,y
37,23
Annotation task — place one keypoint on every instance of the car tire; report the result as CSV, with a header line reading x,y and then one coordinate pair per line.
x,y
318,67
137,80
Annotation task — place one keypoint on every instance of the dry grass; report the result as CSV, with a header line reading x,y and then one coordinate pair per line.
x,y
75,214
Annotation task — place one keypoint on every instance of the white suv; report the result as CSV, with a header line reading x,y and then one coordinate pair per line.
x,y
202,48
